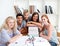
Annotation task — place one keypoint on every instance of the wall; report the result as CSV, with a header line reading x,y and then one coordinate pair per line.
x,y
22,4
53,17
53,4
40,4
58,16
6,9
37,3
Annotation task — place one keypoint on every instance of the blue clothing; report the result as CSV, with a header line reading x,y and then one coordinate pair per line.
x,y
23,24
54,38
29,19
53,43
5,36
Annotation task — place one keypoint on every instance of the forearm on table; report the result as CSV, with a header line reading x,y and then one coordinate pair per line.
x,y
15,38
38,24
46,37
30,25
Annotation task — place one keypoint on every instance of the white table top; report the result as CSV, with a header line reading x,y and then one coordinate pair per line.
x,y
26,41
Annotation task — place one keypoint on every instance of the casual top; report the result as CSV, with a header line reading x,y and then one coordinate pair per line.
x,y
29,19
26,21
23,24
53,37
5,36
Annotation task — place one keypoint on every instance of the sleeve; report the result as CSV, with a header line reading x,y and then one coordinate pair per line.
x,y
0,37
24,23
4,36
16,32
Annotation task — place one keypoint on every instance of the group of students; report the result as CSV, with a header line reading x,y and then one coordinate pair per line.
x,y
13,28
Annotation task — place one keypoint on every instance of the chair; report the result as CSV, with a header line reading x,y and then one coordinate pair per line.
x,y
58,35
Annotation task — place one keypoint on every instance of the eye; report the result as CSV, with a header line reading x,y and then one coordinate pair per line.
x,y
43,19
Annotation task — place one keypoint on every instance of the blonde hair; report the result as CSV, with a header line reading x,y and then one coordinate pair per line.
x,y
5,25
25,11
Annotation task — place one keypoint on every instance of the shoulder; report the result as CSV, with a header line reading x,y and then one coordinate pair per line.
x,y
50,27
3,30
23,21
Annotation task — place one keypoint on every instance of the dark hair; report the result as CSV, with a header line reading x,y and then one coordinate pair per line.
x,y
24,31
33,16
19,15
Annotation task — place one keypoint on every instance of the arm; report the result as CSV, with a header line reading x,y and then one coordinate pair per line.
x,y
38,24
30,24
6,38
16,32
48,37
15,38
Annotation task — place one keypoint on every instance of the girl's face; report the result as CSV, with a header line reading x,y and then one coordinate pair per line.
x,y
10,23
35,17
44,20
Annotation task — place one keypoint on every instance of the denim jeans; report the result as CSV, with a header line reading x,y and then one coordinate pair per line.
x,y
53,44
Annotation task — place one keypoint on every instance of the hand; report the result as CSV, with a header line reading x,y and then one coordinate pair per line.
x,y
41,34
29,22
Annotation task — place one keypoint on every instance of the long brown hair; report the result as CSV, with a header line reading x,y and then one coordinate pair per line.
x,y
35,13
44,15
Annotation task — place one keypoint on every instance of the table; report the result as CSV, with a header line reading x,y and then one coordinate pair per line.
x,y
27,41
